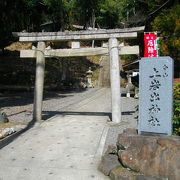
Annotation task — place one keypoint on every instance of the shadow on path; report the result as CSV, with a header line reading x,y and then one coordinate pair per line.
x,y
48,114
9,139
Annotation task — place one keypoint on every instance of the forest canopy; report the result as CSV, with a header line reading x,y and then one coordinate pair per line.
x,y
29,15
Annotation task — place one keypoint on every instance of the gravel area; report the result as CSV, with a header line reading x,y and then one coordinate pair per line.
x,y
19,106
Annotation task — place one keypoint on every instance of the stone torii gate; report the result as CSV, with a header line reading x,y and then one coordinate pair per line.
x,y
113,50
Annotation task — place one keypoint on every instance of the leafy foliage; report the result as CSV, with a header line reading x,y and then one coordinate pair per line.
x,y
85,12
167,23
110,15
18,15
57,13
176,116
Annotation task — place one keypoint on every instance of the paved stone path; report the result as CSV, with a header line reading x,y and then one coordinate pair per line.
x,y
67,146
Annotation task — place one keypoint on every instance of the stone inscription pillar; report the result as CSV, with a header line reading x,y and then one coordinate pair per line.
x,y
156,95
39,82
115,80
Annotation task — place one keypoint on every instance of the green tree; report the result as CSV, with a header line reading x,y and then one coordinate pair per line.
x,y
8,20
18,15
110,14
168,26
85,12
141,12
57,12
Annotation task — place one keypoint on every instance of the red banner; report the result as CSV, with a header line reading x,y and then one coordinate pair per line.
x,y
150,45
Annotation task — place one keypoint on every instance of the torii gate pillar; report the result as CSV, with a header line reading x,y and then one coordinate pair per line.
x,y
39,82
115,80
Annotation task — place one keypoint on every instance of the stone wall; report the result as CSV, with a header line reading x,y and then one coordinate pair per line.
x,y
138,157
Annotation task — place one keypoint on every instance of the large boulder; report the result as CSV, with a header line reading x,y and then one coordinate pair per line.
x,y
109,161
157,156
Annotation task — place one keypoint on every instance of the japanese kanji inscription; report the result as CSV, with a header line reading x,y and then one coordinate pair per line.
x,y
156,95
150,45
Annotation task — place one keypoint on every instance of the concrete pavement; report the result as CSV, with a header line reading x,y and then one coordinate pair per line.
x,y
66,147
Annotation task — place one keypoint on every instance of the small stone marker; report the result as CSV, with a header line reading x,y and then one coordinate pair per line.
x,y
3,117
89,74
156,95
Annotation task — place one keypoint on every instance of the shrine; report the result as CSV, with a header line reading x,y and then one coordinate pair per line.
x,y
113,50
